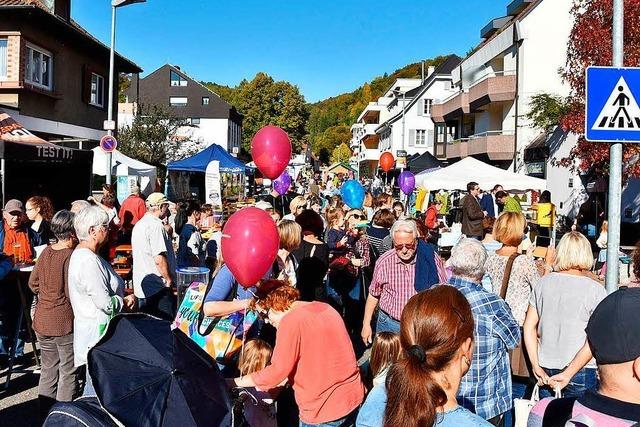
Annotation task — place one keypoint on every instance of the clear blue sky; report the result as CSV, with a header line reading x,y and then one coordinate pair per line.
x,y
324,47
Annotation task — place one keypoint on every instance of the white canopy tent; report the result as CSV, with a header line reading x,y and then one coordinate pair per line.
x,y
456,177
122,165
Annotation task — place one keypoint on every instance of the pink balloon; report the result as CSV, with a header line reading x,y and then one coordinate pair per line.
x,y
271,151
249,245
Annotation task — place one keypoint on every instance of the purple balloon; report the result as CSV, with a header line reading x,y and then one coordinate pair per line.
x,y
407,182
282,183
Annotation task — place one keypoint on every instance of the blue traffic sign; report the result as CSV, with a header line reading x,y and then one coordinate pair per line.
x,y
612,112
108,143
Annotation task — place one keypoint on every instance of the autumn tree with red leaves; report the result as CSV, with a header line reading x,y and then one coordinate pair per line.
x,y
590,43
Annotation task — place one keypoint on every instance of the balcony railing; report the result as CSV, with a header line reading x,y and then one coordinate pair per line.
x,y
496,145
492,87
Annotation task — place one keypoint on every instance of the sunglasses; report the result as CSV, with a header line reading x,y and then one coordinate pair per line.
x,y
409,246
263,315
357,216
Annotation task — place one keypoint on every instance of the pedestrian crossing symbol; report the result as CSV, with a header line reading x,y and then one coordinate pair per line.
x,y
612,111
621,110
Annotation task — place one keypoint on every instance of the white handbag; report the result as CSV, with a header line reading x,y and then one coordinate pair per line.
x,y
522,407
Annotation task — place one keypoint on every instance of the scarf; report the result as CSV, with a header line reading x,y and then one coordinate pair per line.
x,y
426,269
17,244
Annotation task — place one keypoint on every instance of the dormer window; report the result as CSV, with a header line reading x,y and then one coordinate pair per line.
x,y
177,79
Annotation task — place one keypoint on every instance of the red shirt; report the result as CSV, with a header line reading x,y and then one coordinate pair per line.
x,y
133,208
431,220
314,352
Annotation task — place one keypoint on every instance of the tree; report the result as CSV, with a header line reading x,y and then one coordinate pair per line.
x,y
342,153
264,101
156,136
124,83
590,44
546,111
331,138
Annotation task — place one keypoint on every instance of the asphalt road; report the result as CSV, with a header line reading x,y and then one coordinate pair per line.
x,y
19,404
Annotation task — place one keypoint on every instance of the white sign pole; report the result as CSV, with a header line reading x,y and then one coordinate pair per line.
x,y
615,164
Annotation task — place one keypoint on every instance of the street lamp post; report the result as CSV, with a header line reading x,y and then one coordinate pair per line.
x,y
110,128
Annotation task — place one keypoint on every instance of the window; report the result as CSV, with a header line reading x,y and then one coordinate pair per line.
x,y
3,58
205,100
177,79
195,121
427,107
421,137
178,101
97,90
39,68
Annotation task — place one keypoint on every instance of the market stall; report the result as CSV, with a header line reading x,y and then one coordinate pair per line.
x,y
187,176
33,166
122,165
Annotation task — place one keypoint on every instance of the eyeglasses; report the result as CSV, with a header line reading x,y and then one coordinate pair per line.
x,y
357,216
401,246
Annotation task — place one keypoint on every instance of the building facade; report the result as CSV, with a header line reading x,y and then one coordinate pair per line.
x,y
211,120
53,73
400,121
485,114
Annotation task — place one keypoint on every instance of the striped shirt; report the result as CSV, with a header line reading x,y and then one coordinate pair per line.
x,y
393,282
486,388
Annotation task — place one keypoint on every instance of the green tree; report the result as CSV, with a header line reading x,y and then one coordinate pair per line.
x,y
547,111
156,136
264,101
331,138
342,153
124,83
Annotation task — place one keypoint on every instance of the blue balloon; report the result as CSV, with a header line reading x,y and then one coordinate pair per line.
x,y
352,193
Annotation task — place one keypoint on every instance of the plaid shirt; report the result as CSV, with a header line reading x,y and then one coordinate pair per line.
x,y
486,388
394,281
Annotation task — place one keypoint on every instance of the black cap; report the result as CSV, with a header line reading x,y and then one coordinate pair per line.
x,y
613,330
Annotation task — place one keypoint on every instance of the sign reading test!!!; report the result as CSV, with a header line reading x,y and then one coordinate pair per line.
x,y
612,112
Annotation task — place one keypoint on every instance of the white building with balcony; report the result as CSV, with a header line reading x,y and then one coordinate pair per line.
x,y
400,119
485,114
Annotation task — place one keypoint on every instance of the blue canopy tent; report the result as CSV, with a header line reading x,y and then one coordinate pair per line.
x,y
198,162
187,176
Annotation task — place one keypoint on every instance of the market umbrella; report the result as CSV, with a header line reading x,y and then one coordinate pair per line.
x,y
145,374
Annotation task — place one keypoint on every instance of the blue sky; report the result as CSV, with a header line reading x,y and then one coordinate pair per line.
x,y
324,47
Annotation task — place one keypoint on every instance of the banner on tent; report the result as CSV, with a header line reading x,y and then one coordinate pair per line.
x,y
212,185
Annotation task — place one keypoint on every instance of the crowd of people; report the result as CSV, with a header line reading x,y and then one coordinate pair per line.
x,y
360,320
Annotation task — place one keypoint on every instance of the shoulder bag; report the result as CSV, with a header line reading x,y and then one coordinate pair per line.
x,y
520,365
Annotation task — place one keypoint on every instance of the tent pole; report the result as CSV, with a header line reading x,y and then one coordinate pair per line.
x,y
3,173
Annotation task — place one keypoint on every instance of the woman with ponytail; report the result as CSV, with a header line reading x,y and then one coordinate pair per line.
x,y
436,335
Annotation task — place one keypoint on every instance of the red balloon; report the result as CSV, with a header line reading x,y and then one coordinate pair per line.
x,y
387,161
271,151
249,245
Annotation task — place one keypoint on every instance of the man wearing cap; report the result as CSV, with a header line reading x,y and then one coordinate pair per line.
x,y
154,261
613,339
18,241
132,210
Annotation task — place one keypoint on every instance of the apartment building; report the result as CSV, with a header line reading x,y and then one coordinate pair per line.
x,y
400,120
53,73
212,120
484,115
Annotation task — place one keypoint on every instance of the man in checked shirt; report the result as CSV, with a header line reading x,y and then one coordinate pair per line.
x,y
486,388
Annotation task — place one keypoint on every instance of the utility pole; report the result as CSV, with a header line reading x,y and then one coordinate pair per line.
x,y
110,105
615,164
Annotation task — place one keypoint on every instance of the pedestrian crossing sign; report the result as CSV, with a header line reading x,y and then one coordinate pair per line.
x,y
612,112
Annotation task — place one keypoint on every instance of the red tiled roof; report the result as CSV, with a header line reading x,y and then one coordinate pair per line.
x,y
35,3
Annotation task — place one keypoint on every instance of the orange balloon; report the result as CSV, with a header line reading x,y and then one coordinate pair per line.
x,y
387,161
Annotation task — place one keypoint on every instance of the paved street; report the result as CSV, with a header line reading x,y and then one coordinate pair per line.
x,y
18,405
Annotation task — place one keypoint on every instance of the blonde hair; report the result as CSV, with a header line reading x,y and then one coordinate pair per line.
x,y
385,351
333,214
298,201
290,234
605,226
509,228
574,252
255,356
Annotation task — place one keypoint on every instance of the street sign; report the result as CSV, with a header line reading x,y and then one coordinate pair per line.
x,y
612,112
108,143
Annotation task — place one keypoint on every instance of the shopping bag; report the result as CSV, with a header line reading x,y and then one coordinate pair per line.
x,y
220,337
522,407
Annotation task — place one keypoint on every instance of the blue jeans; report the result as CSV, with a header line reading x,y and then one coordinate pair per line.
x,y
387,323
89,390
348,421
585,379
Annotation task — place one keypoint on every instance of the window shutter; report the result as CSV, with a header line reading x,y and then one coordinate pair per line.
x,y
412,138
421,107
86,84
